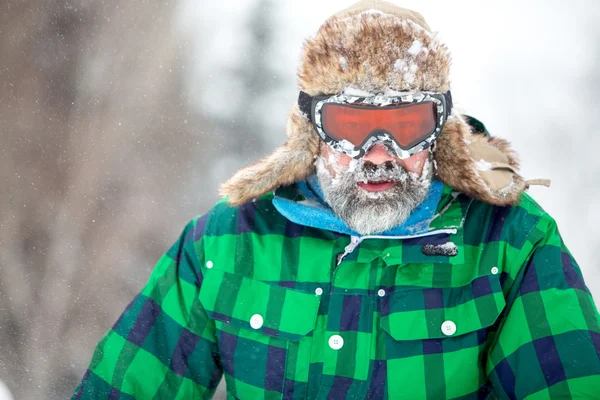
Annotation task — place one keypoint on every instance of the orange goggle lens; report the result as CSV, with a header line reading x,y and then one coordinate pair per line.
x,y
408,124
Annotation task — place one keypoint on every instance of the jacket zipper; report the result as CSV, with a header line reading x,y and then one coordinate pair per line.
x,y
356,240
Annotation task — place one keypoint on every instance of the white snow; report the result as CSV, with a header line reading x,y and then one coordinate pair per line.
x,y
400,65
416,48
408,68
483,165
352,166
373,11
508,189
394,93
344,63
449,247
348,148
322,163
351,91
409,77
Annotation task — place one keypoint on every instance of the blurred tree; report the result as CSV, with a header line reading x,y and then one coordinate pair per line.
x,y
259,79
98,145
243,85
102,161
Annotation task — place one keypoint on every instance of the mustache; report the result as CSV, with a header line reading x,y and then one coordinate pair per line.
x,y
367,171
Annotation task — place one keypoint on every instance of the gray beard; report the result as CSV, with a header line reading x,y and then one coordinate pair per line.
x,y
373,212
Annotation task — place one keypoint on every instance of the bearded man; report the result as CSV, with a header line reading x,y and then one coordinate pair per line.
x,y
386,251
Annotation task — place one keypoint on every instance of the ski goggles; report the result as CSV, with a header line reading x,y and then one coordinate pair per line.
x,y
406,124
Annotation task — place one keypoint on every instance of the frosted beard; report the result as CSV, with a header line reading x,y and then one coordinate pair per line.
x,y
372,212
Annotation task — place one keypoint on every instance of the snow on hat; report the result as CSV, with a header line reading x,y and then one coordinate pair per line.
x,y
374,46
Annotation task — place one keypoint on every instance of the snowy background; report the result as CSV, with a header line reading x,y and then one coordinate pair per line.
x,y
118,120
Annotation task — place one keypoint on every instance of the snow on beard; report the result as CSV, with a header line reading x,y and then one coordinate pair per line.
x,y
371,212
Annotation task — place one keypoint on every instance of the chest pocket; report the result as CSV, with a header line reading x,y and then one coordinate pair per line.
x,y
433,313
439,336
260,328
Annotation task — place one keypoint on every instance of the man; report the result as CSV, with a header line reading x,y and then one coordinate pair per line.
x,y
386,251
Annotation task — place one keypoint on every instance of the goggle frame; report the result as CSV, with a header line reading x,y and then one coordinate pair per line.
x,y
443,107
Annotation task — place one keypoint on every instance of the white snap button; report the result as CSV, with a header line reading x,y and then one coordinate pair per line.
x,y
336,342
319,291
256,321
448,328
494,270
209,264
381,292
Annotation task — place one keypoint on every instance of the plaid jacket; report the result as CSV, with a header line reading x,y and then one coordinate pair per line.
x,y
498,309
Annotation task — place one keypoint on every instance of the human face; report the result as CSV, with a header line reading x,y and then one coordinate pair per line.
x,y
376,192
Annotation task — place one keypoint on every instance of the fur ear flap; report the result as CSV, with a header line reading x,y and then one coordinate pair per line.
x,y
289,163
482,167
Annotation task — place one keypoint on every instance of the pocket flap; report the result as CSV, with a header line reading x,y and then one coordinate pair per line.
x,y
416,314
236,299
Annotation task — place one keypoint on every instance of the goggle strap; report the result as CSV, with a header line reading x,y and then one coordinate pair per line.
x,y
305,104
449,104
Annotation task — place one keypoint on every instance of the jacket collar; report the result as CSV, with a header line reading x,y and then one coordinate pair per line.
x,y
443,211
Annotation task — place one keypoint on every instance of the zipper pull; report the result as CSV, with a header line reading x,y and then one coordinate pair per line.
x,y
354,242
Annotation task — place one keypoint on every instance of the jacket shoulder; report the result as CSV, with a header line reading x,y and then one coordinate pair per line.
x,y
511,232
541,223
258,216
514,233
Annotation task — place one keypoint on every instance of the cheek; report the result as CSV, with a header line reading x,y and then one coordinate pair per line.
x,y
344,160
415,163
335,161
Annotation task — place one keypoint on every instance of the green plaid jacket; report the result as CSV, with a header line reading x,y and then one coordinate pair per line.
x,y
250,295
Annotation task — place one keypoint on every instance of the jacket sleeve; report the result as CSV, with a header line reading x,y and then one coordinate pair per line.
x,y
547,345
163,345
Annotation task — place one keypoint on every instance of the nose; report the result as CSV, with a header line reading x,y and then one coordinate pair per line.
x,y
378,154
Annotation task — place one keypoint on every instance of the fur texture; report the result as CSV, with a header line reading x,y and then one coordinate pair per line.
x,y
456,167
289,163
373,52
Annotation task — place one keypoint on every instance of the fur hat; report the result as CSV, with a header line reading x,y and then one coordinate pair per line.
x,y
375,46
